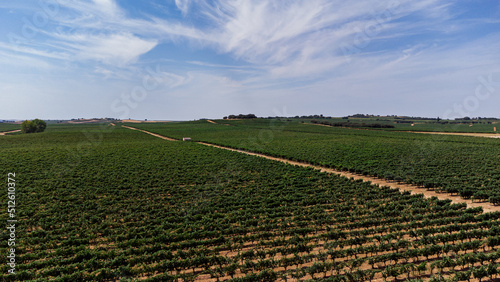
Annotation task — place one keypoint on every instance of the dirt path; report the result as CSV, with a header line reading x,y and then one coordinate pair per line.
x,y
12,131
487,135
151,133
487,207
142,121
211,121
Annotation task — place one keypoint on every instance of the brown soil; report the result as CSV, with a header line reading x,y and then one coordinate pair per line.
x,y
211,121
151,133
487,207
84,121
132,121
12,131
141,121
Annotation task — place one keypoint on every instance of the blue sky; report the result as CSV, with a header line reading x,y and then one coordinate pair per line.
x,y
190,59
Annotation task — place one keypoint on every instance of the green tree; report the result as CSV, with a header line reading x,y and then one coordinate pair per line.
x,y
33,126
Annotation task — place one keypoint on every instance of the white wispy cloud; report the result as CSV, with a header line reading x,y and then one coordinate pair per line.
x,y
109,7
116,49
99,10
173,80
272,51
281,33
10,60
33,51
182,5
289,35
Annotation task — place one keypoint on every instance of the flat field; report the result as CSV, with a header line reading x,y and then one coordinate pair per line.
x,y
106,203
468,166
9,126
414,124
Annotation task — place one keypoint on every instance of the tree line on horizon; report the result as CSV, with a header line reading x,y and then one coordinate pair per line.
x,y
353,124
240,116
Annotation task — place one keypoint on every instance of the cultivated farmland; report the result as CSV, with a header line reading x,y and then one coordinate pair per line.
x,y
6,127
466,166
99,202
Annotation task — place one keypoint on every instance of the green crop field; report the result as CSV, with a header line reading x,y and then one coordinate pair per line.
x,y
415,124
392,123
9,126
468,166
103,203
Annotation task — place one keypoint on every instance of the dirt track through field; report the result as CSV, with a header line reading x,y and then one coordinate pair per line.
x,y
213,122
12,131
471,134
151,133
487,135
487,207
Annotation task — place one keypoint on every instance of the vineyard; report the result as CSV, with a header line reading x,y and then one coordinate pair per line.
x,y
483,125
9,127
465,166
103,203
